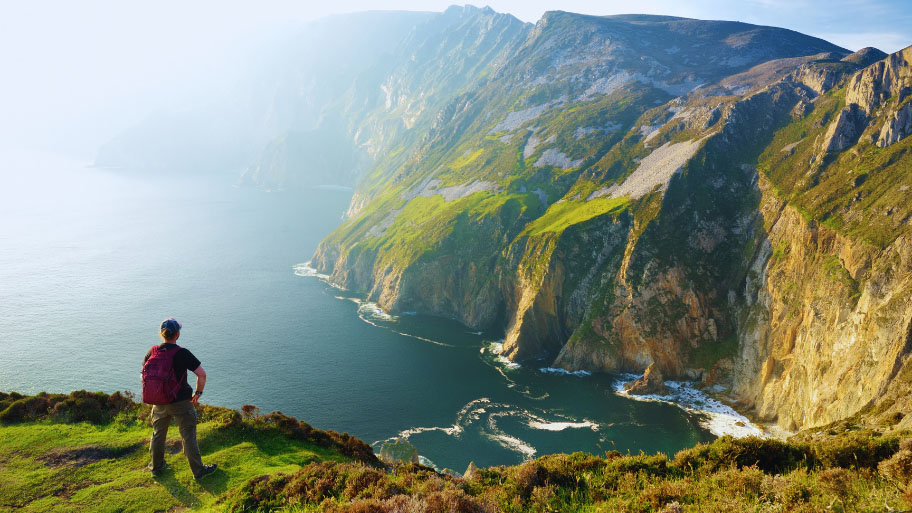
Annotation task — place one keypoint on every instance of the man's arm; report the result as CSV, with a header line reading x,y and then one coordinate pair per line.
x,y
200,383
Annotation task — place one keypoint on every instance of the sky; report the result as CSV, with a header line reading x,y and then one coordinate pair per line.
x,y
76,73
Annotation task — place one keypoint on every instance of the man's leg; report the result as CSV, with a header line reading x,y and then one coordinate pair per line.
x,y
185,413
160,421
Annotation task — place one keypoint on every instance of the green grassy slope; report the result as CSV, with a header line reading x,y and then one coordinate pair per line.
x,y
88,452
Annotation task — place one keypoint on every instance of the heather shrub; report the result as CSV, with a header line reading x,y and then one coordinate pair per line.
x,y
659,493
769,455
862,449
745,481
653,465
293,428
898,468
78,406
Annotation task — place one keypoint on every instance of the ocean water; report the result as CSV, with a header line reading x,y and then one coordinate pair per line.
x,y
92,260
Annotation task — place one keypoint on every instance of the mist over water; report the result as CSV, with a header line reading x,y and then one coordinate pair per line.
x,y
91,261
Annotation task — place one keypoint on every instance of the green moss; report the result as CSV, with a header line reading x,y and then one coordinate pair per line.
x,y
708,353
780,250
835,270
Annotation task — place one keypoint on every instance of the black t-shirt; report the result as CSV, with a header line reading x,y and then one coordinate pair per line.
x,y
183,361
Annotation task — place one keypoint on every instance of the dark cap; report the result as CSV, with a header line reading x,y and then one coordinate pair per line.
x,y
171,325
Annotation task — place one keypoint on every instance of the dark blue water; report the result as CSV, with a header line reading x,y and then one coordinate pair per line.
x,y
91,261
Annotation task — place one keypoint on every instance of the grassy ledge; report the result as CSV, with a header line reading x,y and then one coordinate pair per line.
x,y
88,452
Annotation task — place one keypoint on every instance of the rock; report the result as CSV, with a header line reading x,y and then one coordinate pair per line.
x,y
897,126
471,471
399,451
881,80
652,383
845,130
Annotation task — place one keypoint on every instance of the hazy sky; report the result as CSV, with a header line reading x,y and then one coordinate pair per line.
x,y
74,73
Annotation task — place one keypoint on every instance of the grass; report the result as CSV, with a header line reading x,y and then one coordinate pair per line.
x,y
275,463
48,464
860,192
562,215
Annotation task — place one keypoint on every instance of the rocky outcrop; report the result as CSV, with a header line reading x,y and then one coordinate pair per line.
x,y
827,322
890,77
817,78
398,451
845,130
897,126
652,383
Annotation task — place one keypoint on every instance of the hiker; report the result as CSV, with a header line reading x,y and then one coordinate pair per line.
x,y
165,387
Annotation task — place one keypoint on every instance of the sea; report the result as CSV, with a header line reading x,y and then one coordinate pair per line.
x,y
92,260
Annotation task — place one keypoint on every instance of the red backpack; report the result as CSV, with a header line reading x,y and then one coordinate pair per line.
x,y
160,384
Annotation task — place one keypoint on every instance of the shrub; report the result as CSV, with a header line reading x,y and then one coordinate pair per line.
x,y
769,455
653,465
863,449
24,409
249,411
899,467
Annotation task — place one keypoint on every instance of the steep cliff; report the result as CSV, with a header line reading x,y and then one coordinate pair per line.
x,y
723,201
734,217
827,322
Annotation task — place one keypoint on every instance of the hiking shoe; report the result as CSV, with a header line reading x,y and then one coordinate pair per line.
x,y
208,469
156,472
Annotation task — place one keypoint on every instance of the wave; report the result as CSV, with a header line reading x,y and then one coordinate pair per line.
x,y
553,370
307,271
496,348
481,416
719,418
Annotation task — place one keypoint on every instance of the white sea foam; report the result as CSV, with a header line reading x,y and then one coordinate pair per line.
x,y
560,426
307,271
428,463
481,417
374,310
514,444
453,430
717,417
497,348
553,370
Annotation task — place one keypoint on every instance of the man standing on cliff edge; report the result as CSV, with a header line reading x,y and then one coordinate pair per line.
x,y
172,397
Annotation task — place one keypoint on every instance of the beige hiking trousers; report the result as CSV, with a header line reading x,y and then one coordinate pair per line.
x,y
185,414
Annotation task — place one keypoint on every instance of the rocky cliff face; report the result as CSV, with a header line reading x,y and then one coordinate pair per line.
x,y
725,202
827,322
719,220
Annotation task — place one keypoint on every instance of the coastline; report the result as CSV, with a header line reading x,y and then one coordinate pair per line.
x,y
715,414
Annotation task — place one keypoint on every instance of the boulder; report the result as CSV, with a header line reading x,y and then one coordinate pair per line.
x,y
652,383
399,451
